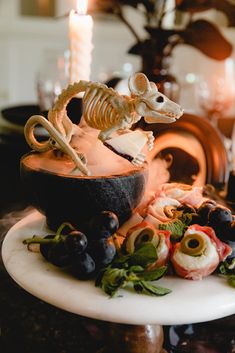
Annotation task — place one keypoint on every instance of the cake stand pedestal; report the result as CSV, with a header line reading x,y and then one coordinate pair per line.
x,y
134,321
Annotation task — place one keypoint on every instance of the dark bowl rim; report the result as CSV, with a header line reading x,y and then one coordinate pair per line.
x,y
142,170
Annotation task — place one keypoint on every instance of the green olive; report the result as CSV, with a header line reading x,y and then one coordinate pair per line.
x,y
147,235
140,236
193,244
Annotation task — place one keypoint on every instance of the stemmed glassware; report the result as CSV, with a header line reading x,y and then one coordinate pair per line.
x,y
52,78
215,96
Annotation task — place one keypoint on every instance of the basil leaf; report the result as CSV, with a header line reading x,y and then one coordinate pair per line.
x,y
227,267
177,228
153,275
112,279
155,290
186,218
121,261
144,256
136,269
222,269
130,269
138,287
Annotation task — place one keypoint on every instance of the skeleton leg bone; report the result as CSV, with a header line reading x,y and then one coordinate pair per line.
x,y
150,138
104,135
139,159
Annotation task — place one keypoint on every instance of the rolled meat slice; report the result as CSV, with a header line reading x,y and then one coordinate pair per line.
x,y
162,209
145,232
184,193
163,249
199,253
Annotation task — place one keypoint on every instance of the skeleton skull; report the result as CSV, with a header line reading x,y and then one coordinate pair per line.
x,y
150,103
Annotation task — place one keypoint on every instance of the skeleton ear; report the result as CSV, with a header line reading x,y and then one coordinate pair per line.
x,y
139,84
153,86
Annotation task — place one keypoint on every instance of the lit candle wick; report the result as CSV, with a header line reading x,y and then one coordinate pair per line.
x,y
81,7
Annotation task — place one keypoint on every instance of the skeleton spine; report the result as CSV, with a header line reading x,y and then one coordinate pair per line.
x,y
98,111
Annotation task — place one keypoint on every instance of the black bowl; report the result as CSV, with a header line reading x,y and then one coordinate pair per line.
x,y
78,198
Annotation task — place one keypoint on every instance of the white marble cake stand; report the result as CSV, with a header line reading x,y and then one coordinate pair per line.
x,y
189,302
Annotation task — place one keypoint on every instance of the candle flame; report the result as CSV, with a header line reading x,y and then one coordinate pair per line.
x,y
82,7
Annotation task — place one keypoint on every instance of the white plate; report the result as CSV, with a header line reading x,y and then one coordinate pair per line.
x,y
189,302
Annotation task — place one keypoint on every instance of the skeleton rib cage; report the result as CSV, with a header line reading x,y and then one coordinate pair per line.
x,y
103,107
99,111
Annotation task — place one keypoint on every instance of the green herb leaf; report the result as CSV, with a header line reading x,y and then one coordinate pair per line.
x,y
138,287
186,218
144,256
131,269
153,275
121,261
136,269
176,227
227,268
155,290
222,269
111,280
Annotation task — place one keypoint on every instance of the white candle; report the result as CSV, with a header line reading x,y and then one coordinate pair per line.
x,y
80,38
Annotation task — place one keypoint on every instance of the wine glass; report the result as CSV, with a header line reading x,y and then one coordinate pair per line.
x,y
52,78
215,96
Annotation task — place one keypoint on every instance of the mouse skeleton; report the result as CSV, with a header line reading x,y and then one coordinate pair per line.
x,y
106,110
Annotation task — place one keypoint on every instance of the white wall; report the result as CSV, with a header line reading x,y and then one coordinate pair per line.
x,y
25,42
190,66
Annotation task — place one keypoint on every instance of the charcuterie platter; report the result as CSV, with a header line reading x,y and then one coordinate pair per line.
x,y
189,301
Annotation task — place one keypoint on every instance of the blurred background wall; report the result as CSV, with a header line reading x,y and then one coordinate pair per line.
x,y
31,45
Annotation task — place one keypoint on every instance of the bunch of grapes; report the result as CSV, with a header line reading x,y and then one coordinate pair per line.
x,y
84,254
219,218
216,216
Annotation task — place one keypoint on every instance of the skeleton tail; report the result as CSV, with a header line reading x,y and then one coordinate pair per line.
x,y
56,136
99,113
